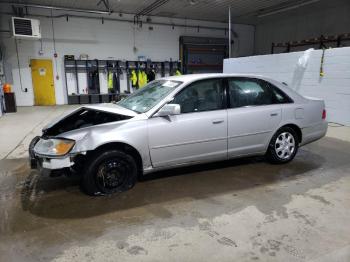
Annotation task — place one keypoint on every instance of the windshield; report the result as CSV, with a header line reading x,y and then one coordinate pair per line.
x,y
144,99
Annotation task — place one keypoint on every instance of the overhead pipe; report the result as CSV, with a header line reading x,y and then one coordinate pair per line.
x,y
286,8
146,22
148,9
105,18
128,21
89,11
151,7
106,4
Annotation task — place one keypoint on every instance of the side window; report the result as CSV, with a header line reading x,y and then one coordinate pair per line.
x,y
204,95
248,92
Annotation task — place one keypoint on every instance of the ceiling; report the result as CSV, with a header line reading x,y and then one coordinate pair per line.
x,y
243,11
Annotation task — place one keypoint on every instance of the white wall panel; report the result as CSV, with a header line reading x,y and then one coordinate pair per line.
x,y
333,87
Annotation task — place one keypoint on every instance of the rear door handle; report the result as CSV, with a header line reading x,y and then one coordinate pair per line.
x,y
217,121
274,114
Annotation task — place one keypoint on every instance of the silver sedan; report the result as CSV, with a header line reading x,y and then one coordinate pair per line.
x,y
177,121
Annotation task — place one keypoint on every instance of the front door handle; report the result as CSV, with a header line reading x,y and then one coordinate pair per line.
x,y
217,121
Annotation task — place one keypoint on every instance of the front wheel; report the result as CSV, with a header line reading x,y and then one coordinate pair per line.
x,y
283,146
109,172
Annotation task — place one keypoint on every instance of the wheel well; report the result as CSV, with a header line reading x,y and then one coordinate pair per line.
x,y
125,148
297,130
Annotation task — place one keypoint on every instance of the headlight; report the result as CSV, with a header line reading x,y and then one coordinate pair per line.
x,y
53,147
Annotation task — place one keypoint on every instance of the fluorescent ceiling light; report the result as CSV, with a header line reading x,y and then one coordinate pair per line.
x,y
288,8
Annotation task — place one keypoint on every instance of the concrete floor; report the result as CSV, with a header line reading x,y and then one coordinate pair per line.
x,y
18,129
242,210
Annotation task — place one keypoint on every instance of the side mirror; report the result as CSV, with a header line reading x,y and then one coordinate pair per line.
x,y
169,110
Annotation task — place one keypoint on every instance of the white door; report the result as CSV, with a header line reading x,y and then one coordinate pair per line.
x,y
254,115
198,134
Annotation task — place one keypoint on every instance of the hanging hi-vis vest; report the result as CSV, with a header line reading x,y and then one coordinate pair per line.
x,y
145,78
133,78
177,72
110,80
142,79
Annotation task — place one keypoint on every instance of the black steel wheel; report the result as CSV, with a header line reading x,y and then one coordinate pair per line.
x,y
109,172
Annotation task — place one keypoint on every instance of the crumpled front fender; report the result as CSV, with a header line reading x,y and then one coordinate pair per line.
x,y
131,133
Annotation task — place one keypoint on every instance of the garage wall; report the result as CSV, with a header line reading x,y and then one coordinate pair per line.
x,y
333,87
111,40
321,18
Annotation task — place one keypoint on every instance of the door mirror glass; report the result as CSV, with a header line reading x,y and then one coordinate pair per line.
x,y
169,110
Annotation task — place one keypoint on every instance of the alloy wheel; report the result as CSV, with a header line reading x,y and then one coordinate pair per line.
x,y
285,145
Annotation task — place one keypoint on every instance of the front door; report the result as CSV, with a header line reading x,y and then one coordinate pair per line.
x,y
43,83
198,134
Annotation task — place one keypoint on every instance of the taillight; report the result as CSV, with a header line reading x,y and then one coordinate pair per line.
x,y
324,114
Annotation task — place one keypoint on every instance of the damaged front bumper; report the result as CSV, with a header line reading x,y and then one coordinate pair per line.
x,y
44,162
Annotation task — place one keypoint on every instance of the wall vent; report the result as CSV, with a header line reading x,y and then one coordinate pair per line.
x,y
25,28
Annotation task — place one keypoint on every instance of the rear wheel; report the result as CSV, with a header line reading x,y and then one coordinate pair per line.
x,y
109,172
283,146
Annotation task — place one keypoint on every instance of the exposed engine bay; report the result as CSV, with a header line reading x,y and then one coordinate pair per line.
x,y
83,117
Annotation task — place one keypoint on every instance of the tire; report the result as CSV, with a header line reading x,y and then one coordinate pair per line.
x,y
109,172
283,146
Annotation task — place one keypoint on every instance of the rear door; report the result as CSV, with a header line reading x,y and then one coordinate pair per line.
x,y
253,116
198,134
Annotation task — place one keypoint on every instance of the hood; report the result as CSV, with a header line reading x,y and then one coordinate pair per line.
x,y
113,108
87,116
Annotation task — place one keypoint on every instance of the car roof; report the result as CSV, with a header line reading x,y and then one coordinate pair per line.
x,y
194,77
